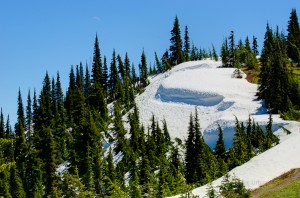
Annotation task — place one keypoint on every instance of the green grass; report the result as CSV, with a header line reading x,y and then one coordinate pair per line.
x,y
284,186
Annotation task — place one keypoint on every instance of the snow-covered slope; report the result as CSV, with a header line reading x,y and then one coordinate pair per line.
x,y
218,98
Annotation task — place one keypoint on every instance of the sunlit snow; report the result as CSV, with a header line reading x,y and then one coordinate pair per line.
x,y
218,97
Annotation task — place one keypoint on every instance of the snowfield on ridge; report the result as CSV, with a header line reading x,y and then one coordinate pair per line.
x,y
218,97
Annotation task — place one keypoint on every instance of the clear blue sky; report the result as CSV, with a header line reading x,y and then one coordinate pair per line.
x,y
39,36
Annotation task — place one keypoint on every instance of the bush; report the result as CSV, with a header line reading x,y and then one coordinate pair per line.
x,y
233,188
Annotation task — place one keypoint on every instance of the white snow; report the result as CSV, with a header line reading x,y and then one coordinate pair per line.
x,y
218,98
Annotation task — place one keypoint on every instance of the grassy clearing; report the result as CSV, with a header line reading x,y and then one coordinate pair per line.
x,y
286,185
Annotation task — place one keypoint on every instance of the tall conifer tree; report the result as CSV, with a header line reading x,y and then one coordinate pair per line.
x,y
177,55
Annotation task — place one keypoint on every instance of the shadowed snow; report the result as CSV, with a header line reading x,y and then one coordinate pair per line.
x,y
188,96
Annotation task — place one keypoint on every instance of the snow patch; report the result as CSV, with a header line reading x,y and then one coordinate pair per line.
x,y
188,96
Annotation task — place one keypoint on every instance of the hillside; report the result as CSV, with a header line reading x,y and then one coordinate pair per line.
x,y
219,98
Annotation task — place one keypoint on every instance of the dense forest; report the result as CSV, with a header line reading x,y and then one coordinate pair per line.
x,y
77,145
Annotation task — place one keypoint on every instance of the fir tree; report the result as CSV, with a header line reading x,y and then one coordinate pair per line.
x,y
214,53
143,70
293,37
2,130
232,58
20,144
87,82
220,149
119,130
186,44
177,55
97,63
16,186
225,53
255,46
113,77
190,154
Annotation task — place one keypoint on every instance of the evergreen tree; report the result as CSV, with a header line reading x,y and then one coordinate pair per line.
x,y
293,37
143,70
16,186
87,82
97,64
20,144
105,76
119,130
127,66
186,44
121,67
232,58
214,53
220,149
113,77
158,64
225,53
28,119
177,55
255,46
190,154
2,130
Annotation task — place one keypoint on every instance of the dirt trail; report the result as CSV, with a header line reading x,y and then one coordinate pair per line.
x,y
287,178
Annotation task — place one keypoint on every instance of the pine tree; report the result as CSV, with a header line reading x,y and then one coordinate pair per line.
x,y
220,149
16,186
232,58
158,63
255,46
186,44
239,145
97,64
143,70
121,67
20,144
87,82
113,77
110,166
119,130
264,86
225,53
293,37
2,130
214,53
177,55
49,159
127,66
190,154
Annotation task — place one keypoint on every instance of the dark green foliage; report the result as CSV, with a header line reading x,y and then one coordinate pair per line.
x,y
97,64
225,53
214,53
2,129
177,55
186,49
275,83
233,187
201,163
113,77
255,46
143,70
293,37
16,186
119,130
220,149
